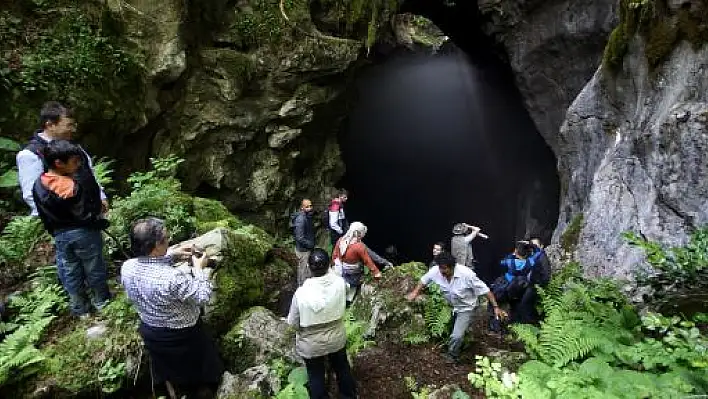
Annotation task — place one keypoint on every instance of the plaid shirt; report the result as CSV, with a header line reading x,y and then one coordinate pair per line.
x,y
165,296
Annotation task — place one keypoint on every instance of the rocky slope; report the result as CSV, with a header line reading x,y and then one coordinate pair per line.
x,y
553,48
631,150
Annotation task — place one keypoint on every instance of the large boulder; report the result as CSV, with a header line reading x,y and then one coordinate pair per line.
x,y
257,338
238,277
631,153
257,382
553,47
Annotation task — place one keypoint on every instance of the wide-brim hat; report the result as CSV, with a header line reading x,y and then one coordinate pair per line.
x,y
459,228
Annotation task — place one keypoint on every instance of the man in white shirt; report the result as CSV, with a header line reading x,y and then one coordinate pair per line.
x,y
461,287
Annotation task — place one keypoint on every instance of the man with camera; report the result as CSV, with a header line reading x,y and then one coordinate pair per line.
x,y
168,301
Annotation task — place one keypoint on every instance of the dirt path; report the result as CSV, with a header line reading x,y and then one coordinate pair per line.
x,y
380,371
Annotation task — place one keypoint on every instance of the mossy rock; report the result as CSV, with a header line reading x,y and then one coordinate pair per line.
x,y
211,214
397,317
569,238
78,365
239,275
258,337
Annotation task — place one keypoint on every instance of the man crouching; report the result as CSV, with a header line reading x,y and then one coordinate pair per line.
x,y
168,303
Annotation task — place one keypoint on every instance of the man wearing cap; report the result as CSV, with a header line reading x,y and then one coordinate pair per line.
x,y
461,243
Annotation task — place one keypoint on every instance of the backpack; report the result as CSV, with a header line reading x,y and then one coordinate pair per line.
x,y
37,147
293,219
520,280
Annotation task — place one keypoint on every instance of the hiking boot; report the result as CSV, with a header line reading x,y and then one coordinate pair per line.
x,y
449,359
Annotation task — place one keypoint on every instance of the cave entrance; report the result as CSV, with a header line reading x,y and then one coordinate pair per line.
x,y
432,140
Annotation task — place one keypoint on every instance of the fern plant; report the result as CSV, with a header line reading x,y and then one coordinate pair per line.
x,y
438,313
19,238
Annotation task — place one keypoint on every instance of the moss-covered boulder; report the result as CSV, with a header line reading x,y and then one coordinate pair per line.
x,y
384,306
257,338
77,362
211,214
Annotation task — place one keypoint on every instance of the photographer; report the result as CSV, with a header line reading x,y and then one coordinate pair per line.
x,y
168,301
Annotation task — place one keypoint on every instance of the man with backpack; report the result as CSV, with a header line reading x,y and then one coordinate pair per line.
x,y
56,123
304,233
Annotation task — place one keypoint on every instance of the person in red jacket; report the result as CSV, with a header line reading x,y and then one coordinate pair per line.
x,y
350,255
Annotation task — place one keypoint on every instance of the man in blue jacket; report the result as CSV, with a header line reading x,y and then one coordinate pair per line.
x,y
304,232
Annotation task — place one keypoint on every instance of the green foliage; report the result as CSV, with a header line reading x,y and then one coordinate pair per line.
x,y
8,170
593,344
683,263
569,238
660,28
33,312
103,170
77,364
67,54
155,193
438,313
355,334
416,391
17,241
295,389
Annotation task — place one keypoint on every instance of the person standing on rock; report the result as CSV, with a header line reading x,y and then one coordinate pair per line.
x,y
317,312
336,219
304,232
461,243
349,257
168,302
56,123
461,287
69,205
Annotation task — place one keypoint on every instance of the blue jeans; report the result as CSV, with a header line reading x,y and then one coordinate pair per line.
x,y
80,262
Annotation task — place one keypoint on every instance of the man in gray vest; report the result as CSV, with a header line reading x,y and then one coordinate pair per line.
x,y
461,243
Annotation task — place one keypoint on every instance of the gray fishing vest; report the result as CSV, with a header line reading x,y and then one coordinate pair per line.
x,y
462,251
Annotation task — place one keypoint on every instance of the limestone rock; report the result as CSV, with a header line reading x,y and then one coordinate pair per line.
x,y
632,156
390,314
255,382
553,49
258,337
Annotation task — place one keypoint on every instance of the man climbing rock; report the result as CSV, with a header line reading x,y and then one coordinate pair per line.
x,y
317,312
304,232
69,205
349,257
168,301
336,219
461,287
461,243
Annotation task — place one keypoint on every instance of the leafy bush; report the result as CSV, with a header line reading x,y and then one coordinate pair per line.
x,y
593,344
33,312
296,385
678,276
154,193
17,241
355,334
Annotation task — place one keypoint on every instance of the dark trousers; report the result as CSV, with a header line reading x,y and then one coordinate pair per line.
x,y
524,310
316,375
333,237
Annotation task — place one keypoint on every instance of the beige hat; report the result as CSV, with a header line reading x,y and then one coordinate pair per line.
x,y
459,228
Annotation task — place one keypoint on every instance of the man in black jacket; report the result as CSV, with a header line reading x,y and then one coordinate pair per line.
x,y
69,204
304,231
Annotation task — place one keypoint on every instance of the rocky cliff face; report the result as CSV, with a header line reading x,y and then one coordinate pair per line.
x,y
553,48
632,147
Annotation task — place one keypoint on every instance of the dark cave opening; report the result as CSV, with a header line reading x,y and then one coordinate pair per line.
x,y
432,140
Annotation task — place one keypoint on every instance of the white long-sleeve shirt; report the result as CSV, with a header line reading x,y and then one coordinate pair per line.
x,y
29,168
